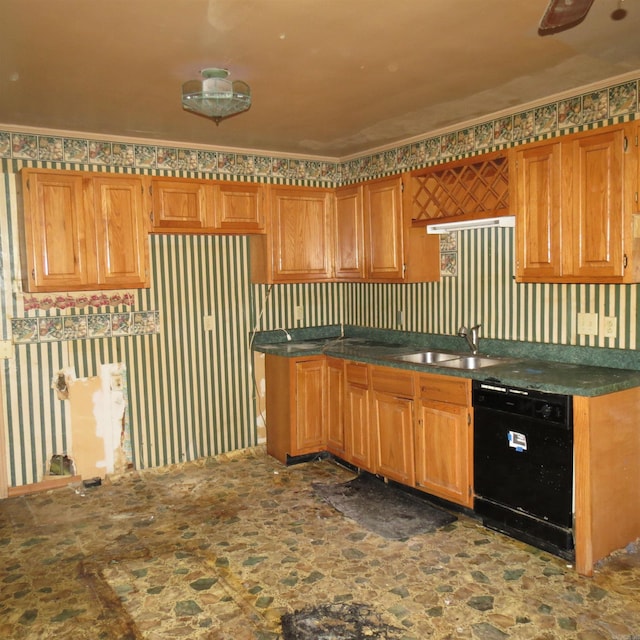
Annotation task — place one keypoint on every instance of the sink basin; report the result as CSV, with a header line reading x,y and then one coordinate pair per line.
x,y
471,362
427,357
449,359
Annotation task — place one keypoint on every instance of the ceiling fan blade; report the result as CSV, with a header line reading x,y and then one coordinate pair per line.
x,y
563,14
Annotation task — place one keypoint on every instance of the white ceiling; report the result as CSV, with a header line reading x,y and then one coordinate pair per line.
x,y
329,78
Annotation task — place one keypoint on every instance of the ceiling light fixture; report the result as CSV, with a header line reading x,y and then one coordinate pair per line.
x,y
215,96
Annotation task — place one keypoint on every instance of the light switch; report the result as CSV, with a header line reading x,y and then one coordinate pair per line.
x,y
588,324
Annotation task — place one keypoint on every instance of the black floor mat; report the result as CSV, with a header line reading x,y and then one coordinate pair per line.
x,y
337,622
382,508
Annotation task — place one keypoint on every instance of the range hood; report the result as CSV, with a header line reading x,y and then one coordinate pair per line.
x,y
461,225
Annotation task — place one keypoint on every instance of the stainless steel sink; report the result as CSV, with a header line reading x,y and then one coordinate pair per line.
x,y
427,357
449,359
472,362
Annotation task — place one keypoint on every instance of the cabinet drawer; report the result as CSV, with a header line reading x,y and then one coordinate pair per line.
x,y
357,374
393,381
445,389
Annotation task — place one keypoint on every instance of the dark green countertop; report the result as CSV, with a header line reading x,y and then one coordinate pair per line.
x,y
550,368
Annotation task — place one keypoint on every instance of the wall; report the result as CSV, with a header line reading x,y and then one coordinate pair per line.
x,y
191,391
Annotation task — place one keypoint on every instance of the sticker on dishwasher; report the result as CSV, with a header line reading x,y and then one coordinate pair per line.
x,y
517,440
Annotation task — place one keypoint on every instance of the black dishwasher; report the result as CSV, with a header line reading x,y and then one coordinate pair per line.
x,y
523,464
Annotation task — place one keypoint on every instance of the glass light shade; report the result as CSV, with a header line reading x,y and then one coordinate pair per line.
x,y
215,96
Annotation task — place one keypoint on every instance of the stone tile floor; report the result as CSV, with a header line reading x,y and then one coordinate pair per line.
x,y
222,548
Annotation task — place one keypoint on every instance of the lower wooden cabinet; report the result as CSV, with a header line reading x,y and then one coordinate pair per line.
x,y
336,443
444,438
413,428
392,392
295,405
356,416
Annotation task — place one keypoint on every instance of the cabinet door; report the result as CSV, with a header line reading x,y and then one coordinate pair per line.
x,y
301,232
393,437
597,163
538,206
335,407
57,237
349,230
310,435
181,205
357,431
121,231
384,230
443,451
239,208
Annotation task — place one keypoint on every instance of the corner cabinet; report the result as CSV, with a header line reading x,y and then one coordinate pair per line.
x,y
295,405
83,231
298,244
184,205
444,438
575,199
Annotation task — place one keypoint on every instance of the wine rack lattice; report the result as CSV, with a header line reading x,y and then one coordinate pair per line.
x,y
477,187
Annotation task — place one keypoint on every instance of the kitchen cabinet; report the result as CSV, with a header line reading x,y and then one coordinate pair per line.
x,y
574,198
298,244
82,231
185,205
392,392
336,443
349,264
356,416
295,406
384,229
374,238
444,438
240,207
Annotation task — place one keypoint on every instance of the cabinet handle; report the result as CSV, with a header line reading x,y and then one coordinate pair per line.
x,y
625,261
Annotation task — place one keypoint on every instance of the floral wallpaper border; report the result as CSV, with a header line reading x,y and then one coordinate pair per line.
x,y
67,300
79,327
596,108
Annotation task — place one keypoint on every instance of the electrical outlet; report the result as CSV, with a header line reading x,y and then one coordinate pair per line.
x,y
588,324
399,317
209,323
6,349
609,327
299,313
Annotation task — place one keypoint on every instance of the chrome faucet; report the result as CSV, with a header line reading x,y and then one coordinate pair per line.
x,y
471,336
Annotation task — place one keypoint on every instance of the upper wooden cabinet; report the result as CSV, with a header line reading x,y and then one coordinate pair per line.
x,y
83,231
185,205
374,239
349,262
384,229
298,244
574,203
